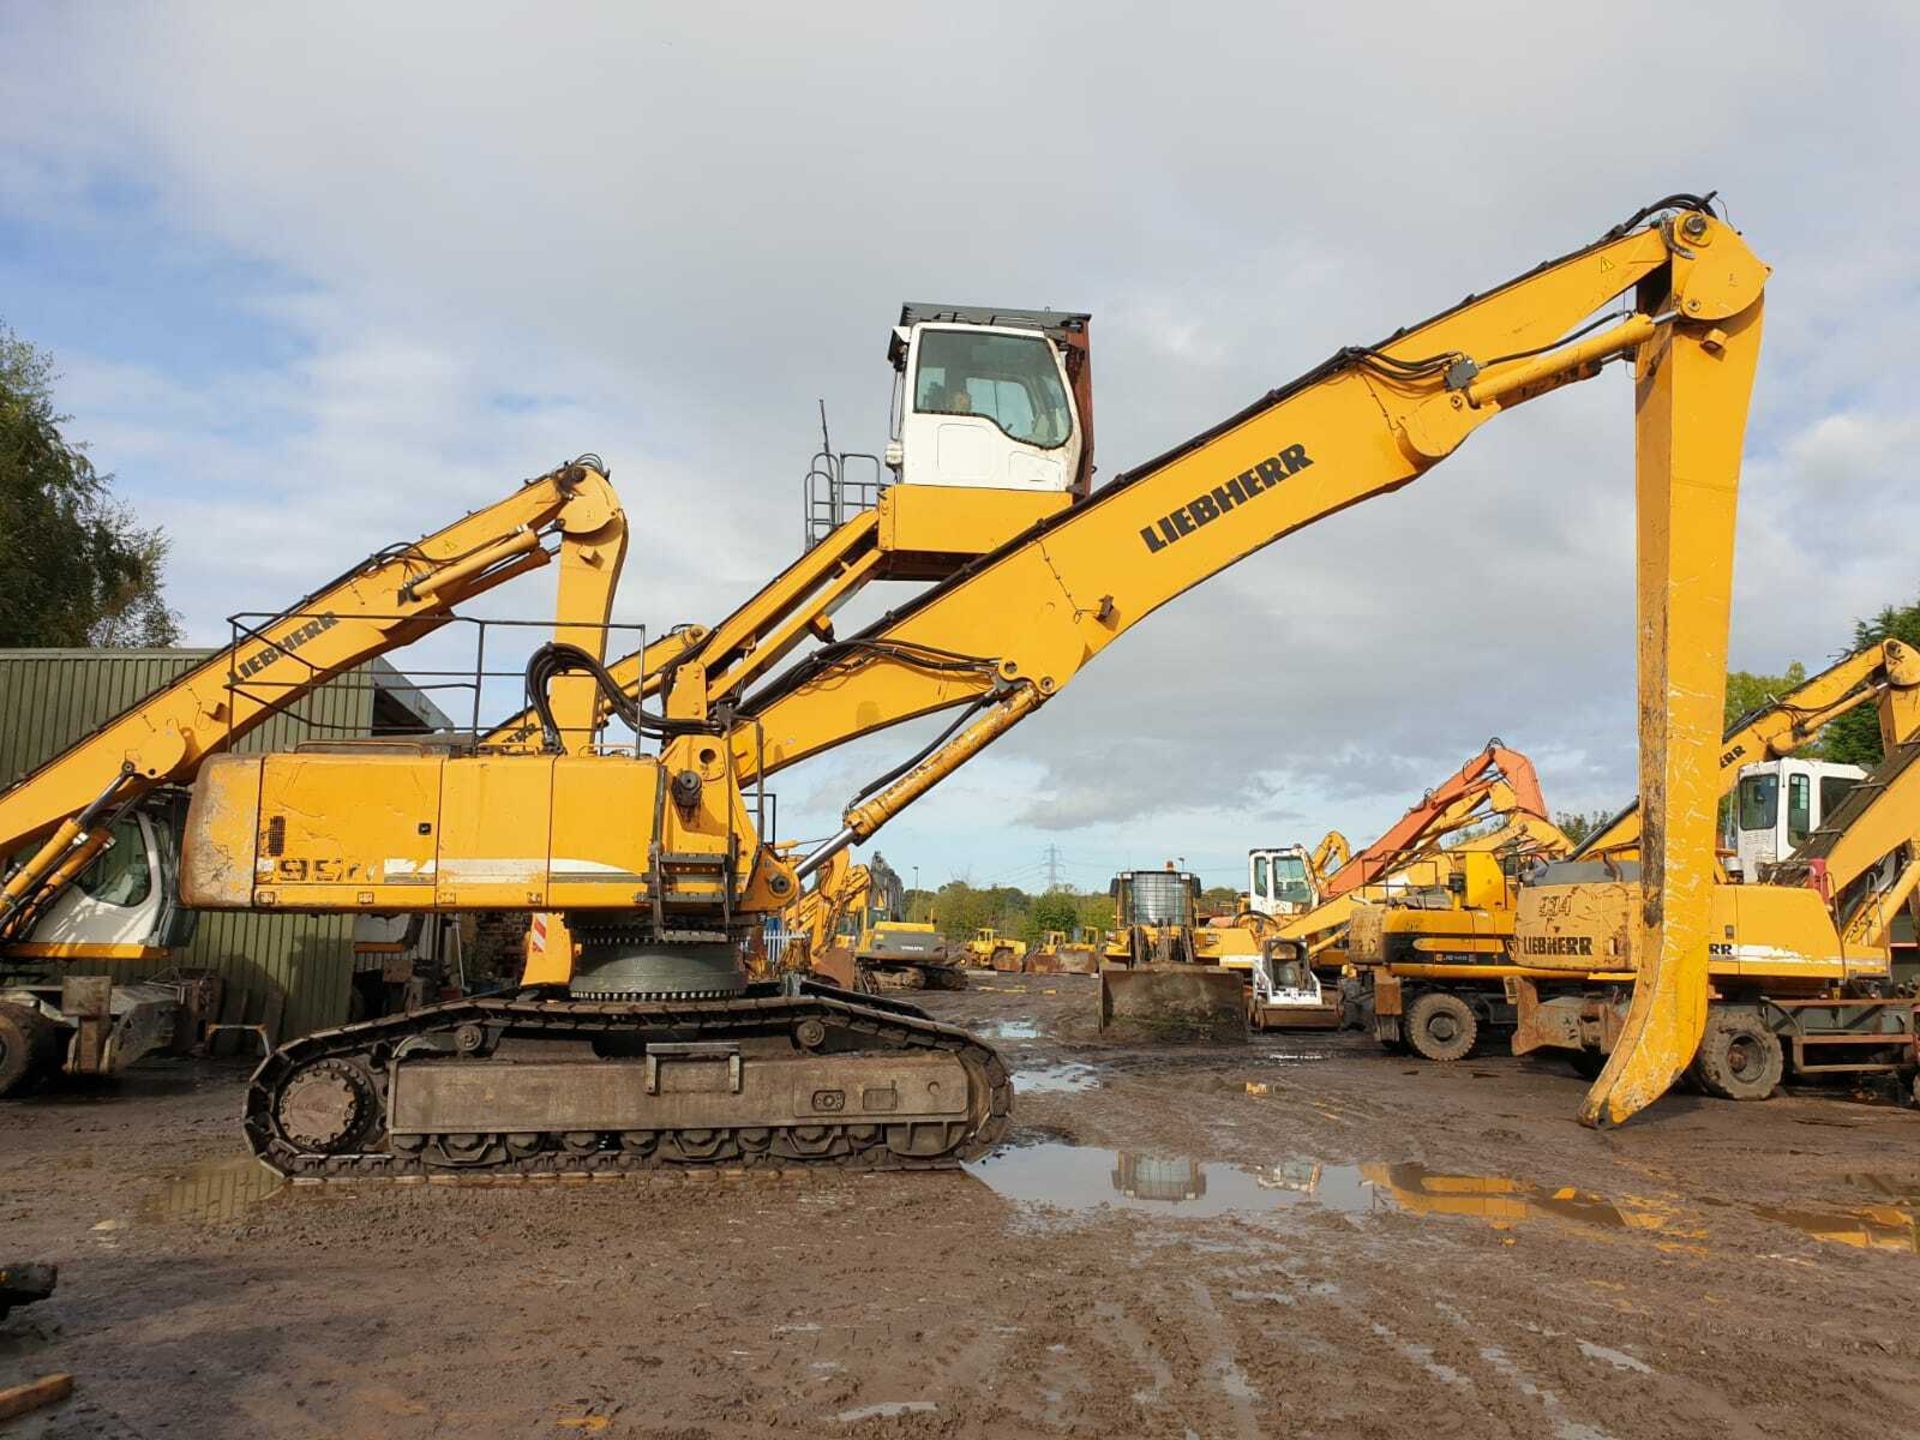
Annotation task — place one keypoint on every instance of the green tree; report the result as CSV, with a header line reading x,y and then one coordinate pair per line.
x,y
1095,910
75,566
1055,910
1577,825
1220,900
1747,692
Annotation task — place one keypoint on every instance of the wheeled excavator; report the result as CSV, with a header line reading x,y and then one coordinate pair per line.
x,y
1442,982
1800,956
93,830
648,1046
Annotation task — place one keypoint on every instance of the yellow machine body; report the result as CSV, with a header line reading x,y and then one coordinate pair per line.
x,y
995,639
429,832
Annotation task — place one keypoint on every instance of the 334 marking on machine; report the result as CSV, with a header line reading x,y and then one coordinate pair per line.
x,y
1210,505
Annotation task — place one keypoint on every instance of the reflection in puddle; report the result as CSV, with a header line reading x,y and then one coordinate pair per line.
x,y
1067,1077
215,1190
1011,1030
1872,1227
1899,1189
1072,1177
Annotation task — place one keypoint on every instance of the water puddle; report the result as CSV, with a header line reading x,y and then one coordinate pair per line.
x,y
1079,1178
1897,1189
1068,1077
1870,1227
1011,1030
214,1191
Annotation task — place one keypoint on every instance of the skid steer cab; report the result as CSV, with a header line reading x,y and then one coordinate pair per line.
x,y
991,399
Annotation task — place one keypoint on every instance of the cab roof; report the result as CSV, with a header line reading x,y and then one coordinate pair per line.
x,y
1055,324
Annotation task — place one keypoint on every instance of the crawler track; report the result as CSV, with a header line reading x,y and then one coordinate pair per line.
x,y
324,1105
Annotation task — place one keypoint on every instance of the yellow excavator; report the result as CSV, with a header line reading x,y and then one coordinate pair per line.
x,y
815,927
1443,982
93,831
647,1045
1291,879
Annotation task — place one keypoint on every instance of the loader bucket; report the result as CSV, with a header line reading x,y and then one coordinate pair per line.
x,y
1190,1004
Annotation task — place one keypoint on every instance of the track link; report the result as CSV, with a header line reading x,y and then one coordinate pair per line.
x,y
318,1107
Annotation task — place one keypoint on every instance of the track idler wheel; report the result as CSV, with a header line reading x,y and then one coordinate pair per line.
x,y
1441,1027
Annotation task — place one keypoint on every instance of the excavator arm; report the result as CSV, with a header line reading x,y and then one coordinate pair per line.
x,y
65,809
1497,783
1436,813
1328,856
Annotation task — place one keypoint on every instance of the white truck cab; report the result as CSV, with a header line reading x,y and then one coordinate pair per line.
x,y
991,399
1279,882
1777,804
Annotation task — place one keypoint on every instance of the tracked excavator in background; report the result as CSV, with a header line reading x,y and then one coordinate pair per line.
x,y
649,1047
93,831
814,927
1443,982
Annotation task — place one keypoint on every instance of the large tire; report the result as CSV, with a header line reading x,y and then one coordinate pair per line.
x,y
1740,1058
26,1047
1441,1027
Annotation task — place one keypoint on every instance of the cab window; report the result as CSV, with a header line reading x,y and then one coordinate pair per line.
x,y
1290,879
1759,802
119,876
1009,379
1799,808
1260,887
1833,789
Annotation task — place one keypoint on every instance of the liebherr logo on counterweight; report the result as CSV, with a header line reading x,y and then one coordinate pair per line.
x,y
1210,505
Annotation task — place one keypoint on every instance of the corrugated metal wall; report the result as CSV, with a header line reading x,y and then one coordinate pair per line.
x,y
50,698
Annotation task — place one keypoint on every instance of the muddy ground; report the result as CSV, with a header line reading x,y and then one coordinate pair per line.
x,y
1362,1246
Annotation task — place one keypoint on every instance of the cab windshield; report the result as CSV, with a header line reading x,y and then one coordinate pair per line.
x,y
1290,879
1009,379
1759,802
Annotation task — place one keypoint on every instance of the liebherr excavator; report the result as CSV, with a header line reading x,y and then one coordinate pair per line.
x,y
651,1048
117,788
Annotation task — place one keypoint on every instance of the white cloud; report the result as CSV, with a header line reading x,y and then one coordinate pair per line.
x,y
507,236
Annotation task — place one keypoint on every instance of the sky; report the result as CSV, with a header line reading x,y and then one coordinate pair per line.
x,y
321,279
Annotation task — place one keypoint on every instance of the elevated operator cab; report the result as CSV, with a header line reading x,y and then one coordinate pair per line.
x,y
991,399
